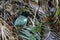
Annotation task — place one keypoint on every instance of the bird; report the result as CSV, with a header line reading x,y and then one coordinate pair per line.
x,y
22,19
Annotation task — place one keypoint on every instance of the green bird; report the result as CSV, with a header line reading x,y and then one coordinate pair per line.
x,y
21,21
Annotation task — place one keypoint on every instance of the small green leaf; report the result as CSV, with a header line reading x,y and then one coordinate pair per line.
x,y
24,37
58,22
57,13
38,26
37,36
32,28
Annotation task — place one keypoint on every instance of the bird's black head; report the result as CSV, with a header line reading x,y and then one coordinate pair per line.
x,y
26,14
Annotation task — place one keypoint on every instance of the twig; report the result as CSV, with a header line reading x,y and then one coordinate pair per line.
x,y
32,22
57,4
47,35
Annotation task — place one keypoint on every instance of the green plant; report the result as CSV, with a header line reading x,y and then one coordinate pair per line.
x,y
30,34
38,26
